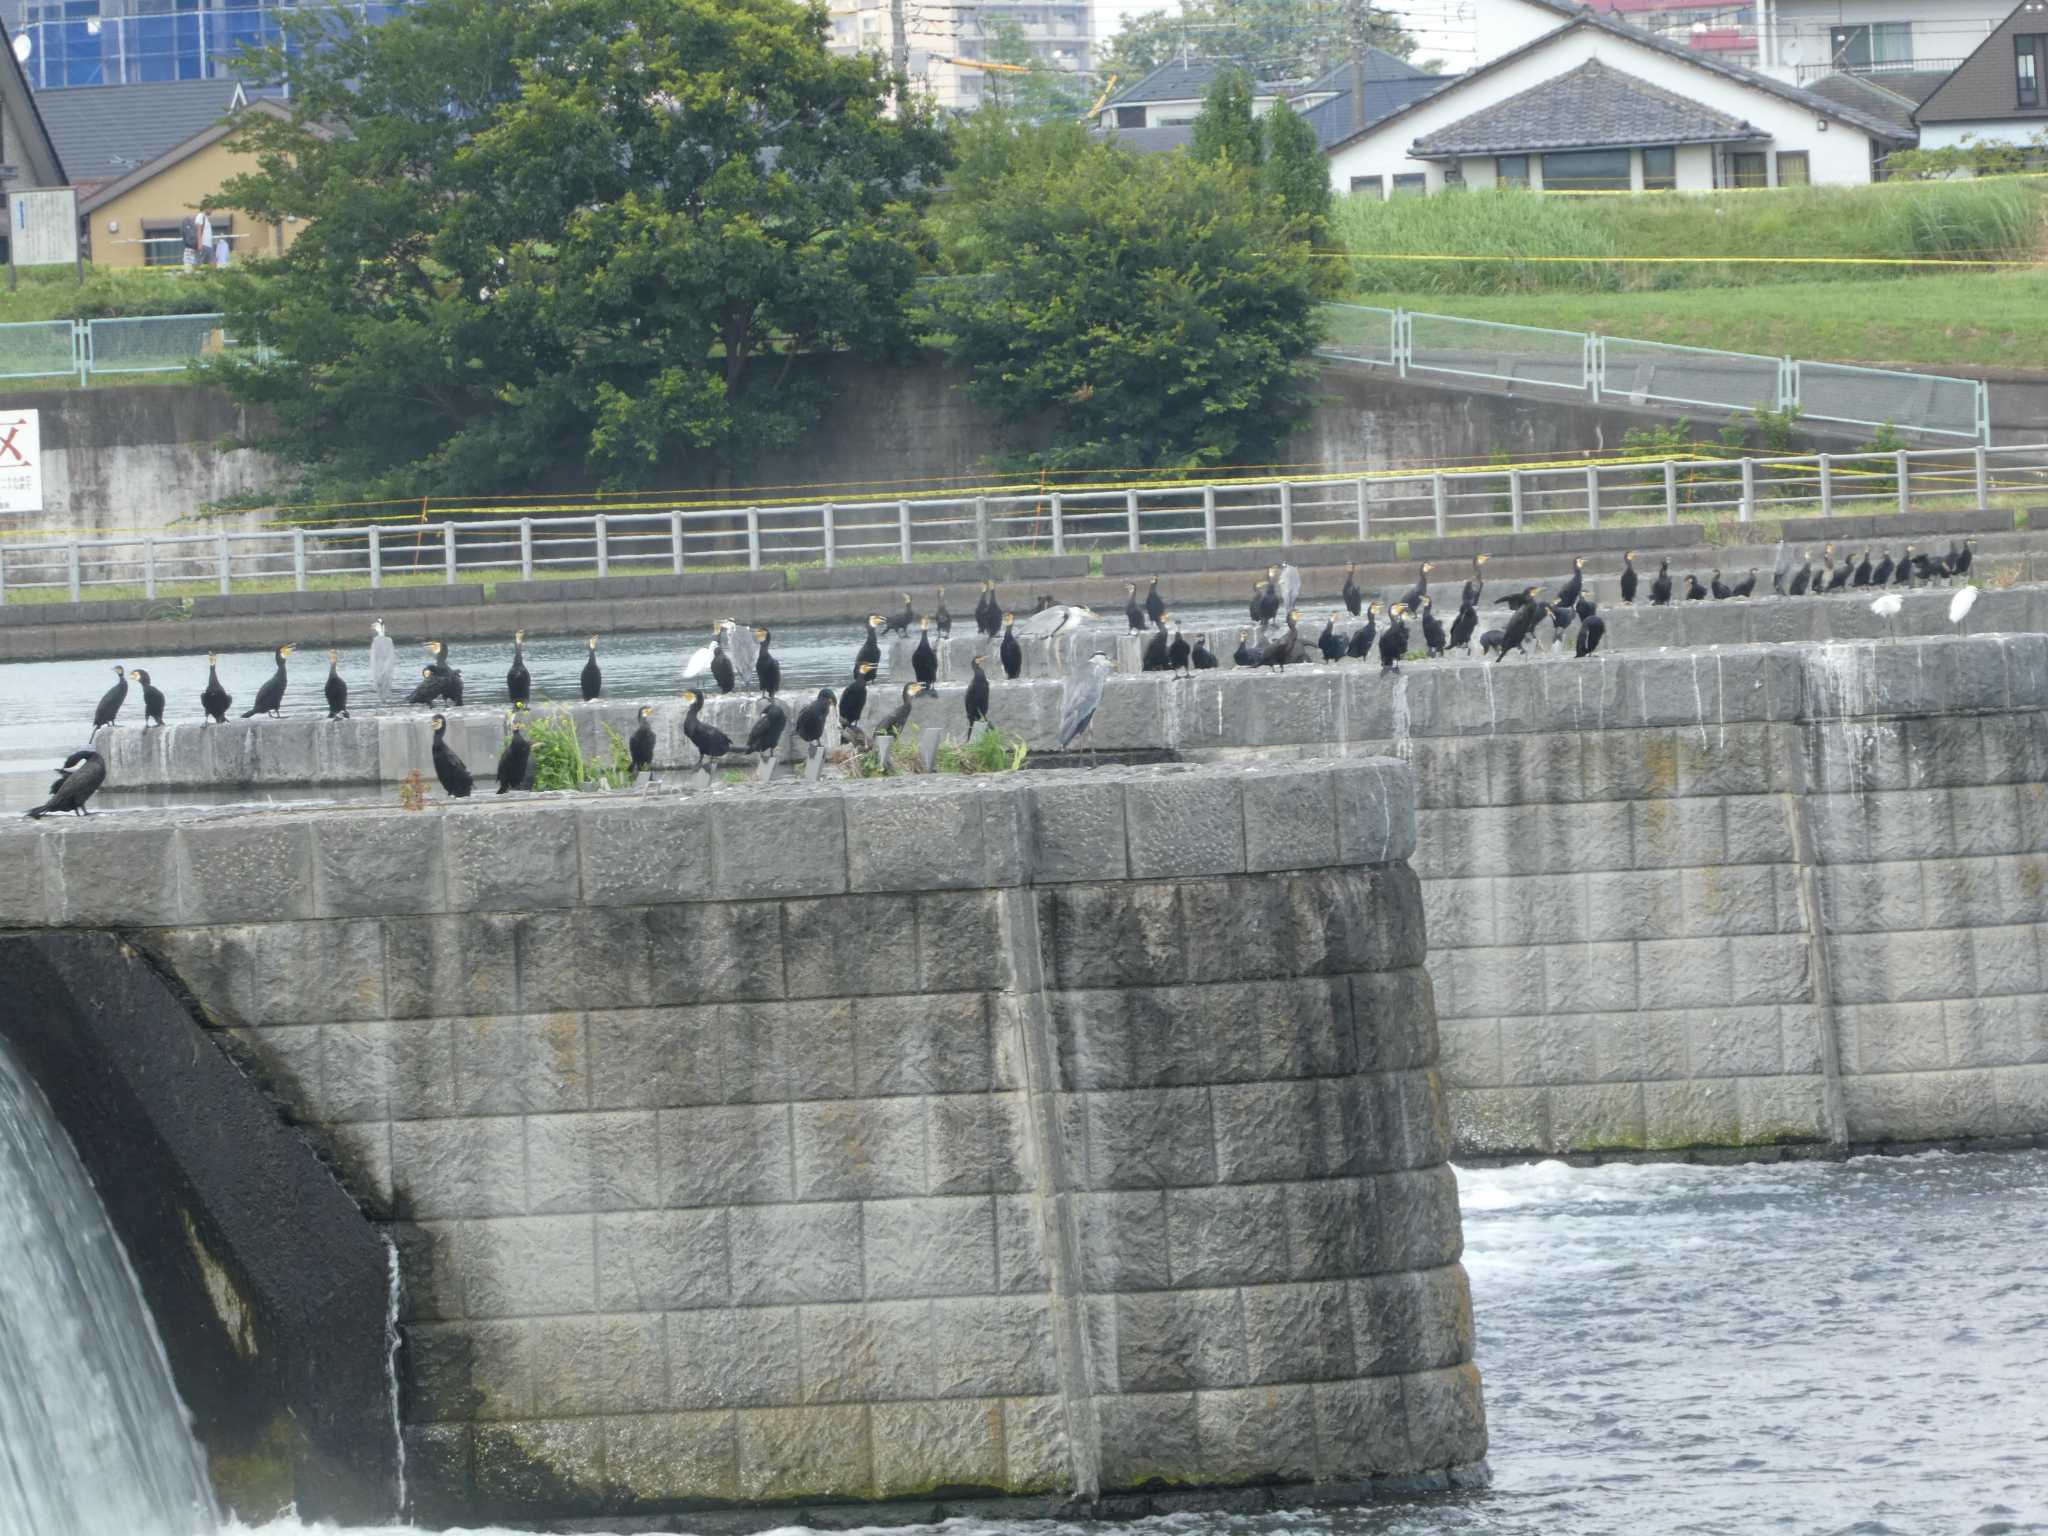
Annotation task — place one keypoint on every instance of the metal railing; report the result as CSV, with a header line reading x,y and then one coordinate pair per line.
x,y
1655,372
85,349
488,545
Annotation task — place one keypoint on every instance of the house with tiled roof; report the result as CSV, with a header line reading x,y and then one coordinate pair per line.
x,y
1999,94
1155,112
1579,101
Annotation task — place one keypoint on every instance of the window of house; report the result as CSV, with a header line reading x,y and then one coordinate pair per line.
x,y
1511,170
1587,170
1454,174
1410,185
1660,169
2029,65
1369,185
1130,117
163,242
1881,44
1793,168
1749,170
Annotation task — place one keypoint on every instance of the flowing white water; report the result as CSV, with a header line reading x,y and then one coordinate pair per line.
x,y
93,1439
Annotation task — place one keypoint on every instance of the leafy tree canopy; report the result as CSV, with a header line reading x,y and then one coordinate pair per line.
x,y
1295,170
582,232
1149,310
1268,39
1225,131
1043,92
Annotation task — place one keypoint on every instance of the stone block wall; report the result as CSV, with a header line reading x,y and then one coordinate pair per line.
x,y
1049,1139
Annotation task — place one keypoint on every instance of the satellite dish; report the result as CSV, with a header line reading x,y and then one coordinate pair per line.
x,y
92,26
23,47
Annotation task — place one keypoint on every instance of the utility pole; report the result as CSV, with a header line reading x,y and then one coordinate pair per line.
x,y
899,40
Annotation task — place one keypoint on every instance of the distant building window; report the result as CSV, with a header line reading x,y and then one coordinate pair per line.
x,y
1454,174
1885,44
163,242
1411,185
1130,117
1370,186
1794,169
1587,170
1660,170
2028,48
1749,170
1511,170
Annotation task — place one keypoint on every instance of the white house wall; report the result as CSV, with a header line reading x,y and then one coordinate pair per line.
x,y
1988,131
1838,156
1502,26
1795,32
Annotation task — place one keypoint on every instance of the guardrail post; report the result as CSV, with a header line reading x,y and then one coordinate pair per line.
x,y
81,348
1788,383
3,576
1905,481
1746,513
525,548
1595,366
675,542
604,545
753,538
149,567
1827,485
1364,515
222,558
1131,520
1437,500
1981,462
377,558
1515,500
981,528
1059,524
1286,513
1983,413
1670,493
827,517
1404,343
448,554
298,559
1208,517
71,570
1592,496
903,531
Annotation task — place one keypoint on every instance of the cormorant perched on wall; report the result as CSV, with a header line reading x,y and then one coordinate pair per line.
x,y
453,773
1902,574
1718,587
1592,630
336,689
1463,625
518,683
1154,659
1177,654
84,771
1860,577
640,745
988,610
1244,655
1883,574
766,734
1838,575
593,675
924,661
1660,588
1475,584
1134,611
429,688
270,697
1796,587
901,622
1963,556
515,756
1203,659
383,660
977,698
942,618
1155,605
1265,601
1329,642
892,723
711,743
1493,643
1433,637
810,720
448,680
766,668
870,647
111,701
1629,578
1574,584
853,701
1354,600
1420,590
1011,652
1080,697
1522,623
214,699
1694,592
1394,643
721,664
152,700
1360,648
1747,585
1283,650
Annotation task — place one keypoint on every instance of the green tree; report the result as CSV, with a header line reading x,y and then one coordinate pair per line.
x,y
1042,92
1268,39
1226,133
1296,172
1146,310
540,234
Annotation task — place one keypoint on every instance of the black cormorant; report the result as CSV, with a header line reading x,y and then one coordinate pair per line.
x,y
640,745
429,688
593,675
853,701
1462,626
1660,587
1203,659
454,775
721,664
1266,602
924,661
766,668
1134,611
449,681
1796,587
711,743
893,722
1256,607
1394,643
1521,624
1155,605
1591,632
1860,577
988,610
977,698
1011,652
1694,592
513,758
1628,577
769,725
1244,655
901,622
1475,584
1493,643
1420,590
870,647
214,699
1883,574
336,689
1718,587
1574,584
1963,556
1433,638
1154,659
270,697
1360,648
1747,585
1902,573
1838,575
84,771
1329,642
518,683
1280,652
810,720
1354,600
942,618
1179,651
111,701
152,699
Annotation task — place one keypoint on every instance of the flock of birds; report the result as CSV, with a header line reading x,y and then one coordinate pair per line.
x,y
1274,638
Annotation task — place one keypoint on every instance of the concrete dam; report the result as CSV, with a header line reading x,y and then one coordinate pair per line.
x,y
1067,1142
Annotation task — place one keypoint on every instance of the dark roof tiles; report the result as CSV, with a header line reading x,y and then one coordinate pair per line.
x,y
1588,107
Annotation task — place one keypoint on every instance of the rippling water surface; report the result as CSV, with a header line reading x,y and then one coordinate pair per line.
x,y
1805,1349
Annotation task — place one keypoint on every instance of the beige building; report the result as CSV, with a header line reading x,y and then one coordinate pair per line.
x,y
949,44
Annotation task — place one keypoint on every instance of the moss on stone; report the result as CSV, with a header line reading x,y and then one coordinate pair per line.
x,y
257,1480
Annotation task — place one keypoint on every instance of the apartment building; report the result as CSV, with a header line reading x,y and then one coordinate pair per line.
x,y
951,45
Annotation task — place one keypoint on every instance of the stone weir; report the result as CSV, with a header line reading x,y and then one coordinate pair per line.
x,y
1065,1143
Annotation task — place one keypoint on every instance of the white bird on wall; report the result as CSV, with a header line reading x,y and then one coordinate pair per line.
x,y
1887,608
1960,605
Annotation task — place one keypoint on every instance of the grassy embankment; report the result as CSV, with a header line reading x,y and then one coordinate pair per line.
x,y
1880,314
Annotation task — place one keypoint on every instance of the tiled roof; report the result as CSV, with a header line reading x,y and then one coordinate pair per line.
x,y
105,131
1590,107
1892,95
1150,141
1333,119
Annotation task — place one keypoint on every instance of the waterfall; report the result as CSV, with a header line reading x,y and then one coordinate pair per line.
x,y
93,1439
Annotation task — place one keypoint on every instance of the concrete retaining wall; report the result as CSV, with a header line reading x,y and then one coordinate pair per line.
x,y
1072,1140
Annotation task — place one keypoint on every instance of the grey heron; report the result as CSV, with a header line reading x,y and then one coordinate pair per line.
x,y
1079,698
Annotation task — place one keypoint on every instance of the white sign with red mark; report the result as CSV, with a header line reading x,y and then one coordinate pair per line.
x,y
21,461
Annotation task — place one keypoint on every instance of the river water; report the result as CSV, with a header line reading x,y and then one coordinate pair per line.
x,y
1803,1349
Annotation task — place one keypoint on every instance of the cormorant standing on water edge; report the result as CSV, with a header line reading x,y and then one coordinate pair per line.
x,y
453,773
766,735
152,699
870,648
84,771
766,668
924,661
270,697
1203,659
1394,643
640,746
214,699
514,758
853,700
977,699
337,688
711,743
1660,589
1354,600
892,723
593,675
518,682
111,701
1012,653
1629,578
1155,605
810,720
